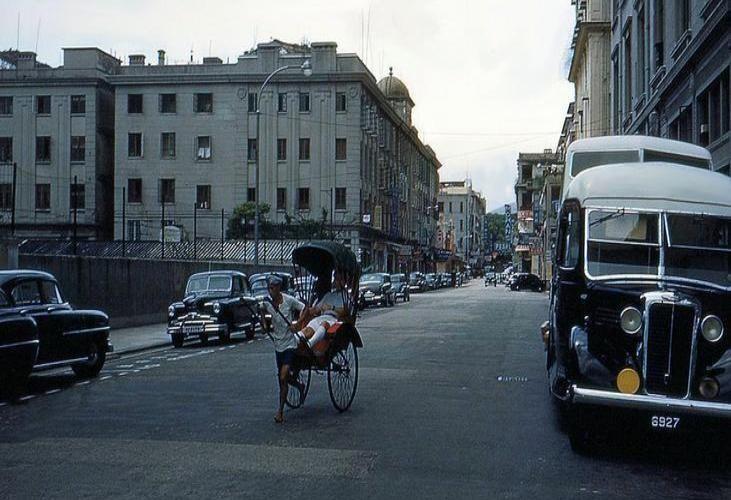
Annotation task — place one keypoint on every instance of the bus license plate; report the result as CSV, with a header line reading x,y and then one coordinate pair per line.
x,y
664,422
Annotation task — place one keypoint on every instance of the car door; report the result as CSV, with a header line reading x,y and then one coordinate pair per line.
x,y
73,337
26,296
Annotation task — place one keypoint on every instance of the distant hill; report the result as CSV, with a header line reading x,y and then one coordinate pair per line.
x,y
501,209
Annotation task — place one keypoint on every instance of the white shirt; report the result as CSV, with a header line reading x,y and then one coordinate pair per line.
x,y
333,299
281,334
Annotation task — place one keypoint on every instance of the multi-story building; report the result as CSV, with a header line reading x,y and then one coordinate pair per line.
x,y
670,72
335,145
589,71
56,127
529,187
464,212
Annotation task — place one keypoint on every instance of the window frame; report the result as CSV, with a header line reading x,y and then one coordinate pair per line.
x,y
80,101
305,97
300,198
341,149
282,102
42,197
141,146
44,98
161,103
47,139
308,149
252,149
281,199
6,104
341,98
79,150
130,182
163,136
341,195
9,159
197,100
207,202
162,198
131,98
198,148
79,196
282,149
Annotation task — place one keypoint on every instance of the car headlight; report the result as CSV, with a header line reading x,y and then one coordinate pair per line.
x,y
630,320
171,312
216,308
712,328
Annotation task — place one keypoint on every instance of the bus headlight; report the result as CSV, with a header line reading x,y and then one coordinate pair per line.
x,y
630,320
712,328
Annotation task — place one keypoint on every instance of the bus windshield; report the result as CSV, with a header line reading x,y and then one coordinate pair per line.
x,y
699,248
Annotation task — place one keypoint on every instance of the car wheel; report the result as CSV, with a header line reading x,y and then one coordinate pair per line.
x,y
203,338
225,337
97,355
178,340
13,380
250,333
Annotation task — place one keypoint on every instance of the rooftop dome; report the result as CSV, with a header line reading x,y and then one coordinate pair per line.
x,y
393,88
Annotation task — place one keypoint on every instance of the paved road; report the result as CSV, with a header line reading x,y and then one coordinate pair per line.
x,y
451,403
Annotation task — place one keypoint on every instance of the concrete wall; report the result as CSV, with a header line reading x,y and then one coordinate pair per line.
x,y
131,291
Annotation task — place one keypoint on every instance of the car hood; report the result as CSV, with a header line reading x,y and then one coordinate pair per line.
x,y
196,302
373,286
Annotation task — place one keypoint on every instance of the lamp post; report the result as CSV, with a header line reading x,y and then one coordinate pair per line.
x,y
306,68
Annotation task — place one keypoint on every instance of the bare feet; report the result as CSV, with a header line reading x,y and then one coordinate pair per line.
x,y
279,417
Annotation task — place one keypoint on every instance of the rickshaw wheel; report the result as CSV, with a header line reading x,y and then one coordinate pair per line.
x,y
342,377
295,399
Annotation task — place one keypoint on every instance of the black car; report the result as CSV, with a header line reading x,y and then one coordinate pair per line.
x,y
526,281
432,281
259,284
375,288
39,330
216,303
417,282
401,286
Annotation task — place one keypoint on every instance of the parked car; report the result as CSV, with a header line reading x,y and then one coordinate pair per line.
x,y
417,282
431,281
216,303
490,278
401,287
375,288
639,315
40,330
526,281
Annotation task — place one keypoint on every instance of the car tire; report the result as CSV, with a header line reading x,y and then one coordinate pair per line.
x,y
250,333
204,339
224,337
178,340
97,358
13,381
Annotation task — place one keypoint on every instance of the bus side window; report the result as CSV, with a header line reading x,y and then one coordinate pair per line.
x,y
569,237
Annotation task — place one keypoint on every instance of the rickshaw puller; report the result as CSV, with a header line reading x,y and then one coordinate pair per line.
x,y
282,334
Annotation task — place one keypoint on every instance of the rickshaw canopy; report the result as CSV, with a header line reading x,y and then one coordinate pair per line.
x,y
320,258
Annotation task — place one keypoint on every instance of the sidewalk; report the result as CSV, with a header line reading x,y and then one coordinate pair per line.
x,y
138,338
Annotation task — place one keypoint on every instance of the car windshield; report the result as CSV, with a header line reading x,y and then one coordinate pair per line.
x,y
259,286
585,160
622,243
397,278
699,248
208,284
370,277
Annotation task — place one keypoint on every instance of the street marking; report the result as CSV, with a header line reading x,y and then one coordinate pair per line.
x,y
85,382
147,367
125,366
3,404
27,398
122,374
52,391
107,377
249,341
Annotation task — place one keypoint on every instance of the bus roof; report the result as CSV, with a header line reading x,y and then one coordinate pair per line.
x,y
634,142
653,186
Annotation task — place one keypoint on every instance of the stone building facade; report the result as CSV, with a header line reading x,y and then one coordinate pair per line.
x,y
463,210
589,71
334,146
670,72
56,125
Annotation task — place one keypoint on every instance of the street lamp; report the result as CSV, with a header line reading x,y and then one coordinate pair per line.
x,y
306,68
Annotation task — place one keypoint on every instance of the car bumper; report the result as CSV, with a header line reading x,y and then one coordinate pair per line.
x,y
194,328
598,397
372,299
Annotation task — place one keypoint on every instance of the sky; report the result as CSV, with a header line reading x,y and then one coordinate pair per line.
x,y
488,77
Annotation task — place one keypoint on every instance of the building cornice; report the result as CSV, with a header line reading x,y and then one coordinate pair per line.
x,y
584,28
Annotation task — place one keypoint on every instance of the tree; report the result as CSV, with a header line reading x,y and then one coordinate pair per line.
x,y
244,214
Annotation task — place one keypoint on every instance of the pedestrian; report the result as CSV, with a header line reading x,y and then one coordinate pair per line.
x,y
281,307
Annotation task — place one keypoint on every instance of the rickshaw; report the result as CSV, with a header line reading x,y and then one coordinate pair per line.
x,y
316,262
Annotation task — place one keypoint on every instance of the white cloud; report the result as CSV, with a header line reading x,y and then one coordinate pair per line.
x,y
488,76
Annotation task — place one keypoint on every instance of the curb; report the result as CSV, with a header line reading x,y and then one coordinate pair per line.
x,y
140,348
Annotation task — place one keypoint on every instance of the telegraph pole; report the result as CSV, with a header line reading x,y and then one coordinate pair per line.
x,y
75,199
124,221
12,201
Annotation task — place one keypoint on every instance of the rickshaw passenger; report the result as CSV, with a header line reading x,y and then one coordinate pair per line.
x,y
327,310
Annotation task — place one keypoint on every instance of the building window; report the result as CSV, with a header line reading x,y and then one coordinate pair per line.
x,y
450,207
628,71
203,197
167,145
252,102
134,103
304,102
251,195
203,103
203,147
683,17
166,191
282,102
134,230
304,152
6,105
43,149
168,103
713,110
641,47
659,46
251,150
43,196
281,149
134,190
78,148
440,207
281,198
615,95
303,198
681,128
461,225
134,145
6,196
77,196
341,149
6,149
78,104
461,207
340,199
341,102
43,104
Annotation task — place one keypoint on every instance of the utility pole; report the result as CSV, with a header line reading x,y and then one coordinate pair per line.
x,y
195,231
75,199
222,233
124,222
162,227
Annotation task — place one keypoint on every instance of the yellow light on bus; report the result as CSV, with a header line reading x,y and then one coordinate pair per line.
x,y
628,381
